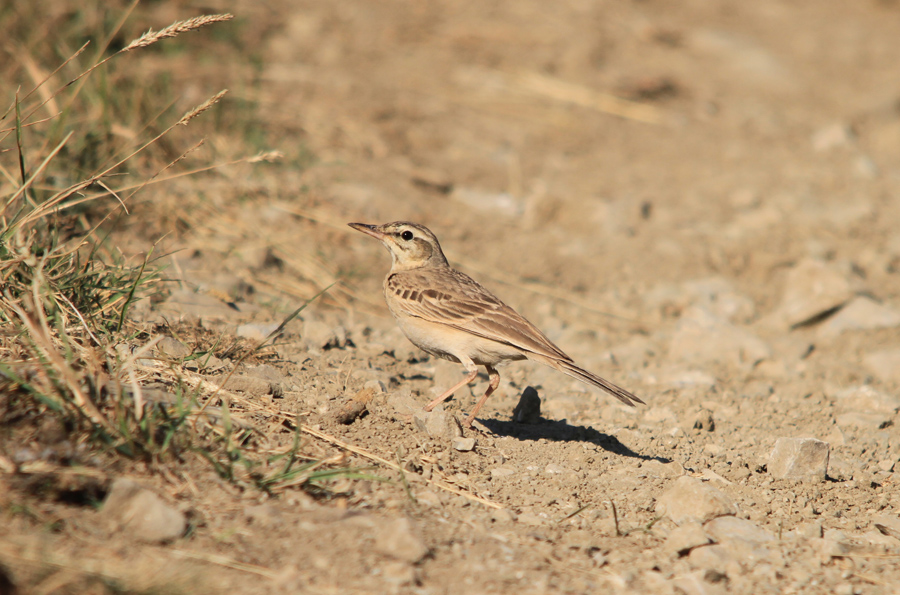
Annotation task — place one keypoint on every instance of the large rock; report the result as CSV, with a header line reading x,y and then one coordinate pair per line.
x,y
812,288
141,514
691,500
799,458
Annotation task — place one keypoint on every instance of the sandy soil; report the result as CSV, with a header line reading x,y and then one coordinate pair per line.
x,y
698,202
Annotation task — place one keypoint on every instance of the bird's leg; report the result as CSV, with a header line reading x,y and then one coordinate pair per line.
x,y
495,382
473,372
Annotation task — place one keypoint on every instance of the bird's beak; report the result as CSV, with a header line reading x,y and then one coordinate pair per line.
x,y
369,230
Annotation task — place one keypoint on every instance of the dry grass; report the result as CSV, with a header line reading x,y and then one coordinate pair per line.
x,y
173,30
64,295
68,351
75,150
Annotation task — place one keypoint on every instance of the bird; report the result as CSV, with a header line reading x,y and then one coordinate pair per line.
x,y
449,315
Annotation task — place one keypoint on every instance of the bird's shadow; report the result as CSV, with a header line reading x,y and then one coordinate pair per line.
x,y
562,431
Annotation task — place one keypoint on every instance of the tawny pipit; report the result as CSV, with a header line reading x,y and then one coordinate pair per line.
x,y
449,315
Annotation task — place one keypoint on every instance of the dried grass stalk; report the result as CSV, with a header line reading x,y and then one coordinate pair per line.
x,y
201,108
151,36
267,156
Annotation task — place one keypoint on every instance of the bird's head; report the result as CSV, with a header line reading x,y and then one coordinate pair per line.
x,y
411,245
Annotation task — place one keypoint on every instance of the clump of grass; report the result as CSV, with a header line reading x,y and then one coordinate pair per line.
x,y
65,294
63,301
67,347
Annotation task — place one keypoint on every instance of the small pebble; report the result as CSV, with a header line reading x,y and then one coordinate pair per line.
x,y
463,444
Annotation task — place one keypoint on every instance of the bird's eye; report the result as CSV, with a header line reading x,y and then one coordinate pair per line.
x,y
407,235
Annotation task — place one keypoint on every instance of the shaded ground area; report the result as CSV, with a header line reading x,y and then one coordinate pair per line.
x,y
698,202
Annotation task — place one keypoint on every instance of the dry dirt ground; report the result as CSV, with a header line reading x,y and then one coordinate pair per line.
x,y
696,200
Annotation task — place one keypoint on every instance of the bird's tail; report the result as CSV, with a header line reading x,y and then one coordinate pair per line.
x,y
571,369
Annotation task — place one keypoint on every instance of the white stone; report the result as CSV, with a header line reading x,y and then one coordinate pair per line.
x,y
463,444
799,458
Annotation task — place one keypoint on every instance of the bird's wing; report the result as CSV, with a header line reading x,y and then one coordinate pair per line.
x,y
456,300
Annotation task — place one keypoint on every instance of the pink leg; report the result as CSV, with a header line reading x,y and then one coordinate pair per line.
x,y
469,378
495,382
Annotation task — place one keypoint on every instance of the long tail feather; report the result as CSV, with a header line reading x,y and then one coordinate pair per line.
x,y
570,369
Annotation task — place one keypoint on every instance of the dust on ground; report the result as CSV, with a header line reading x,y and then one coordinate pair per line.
x,y
723,243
